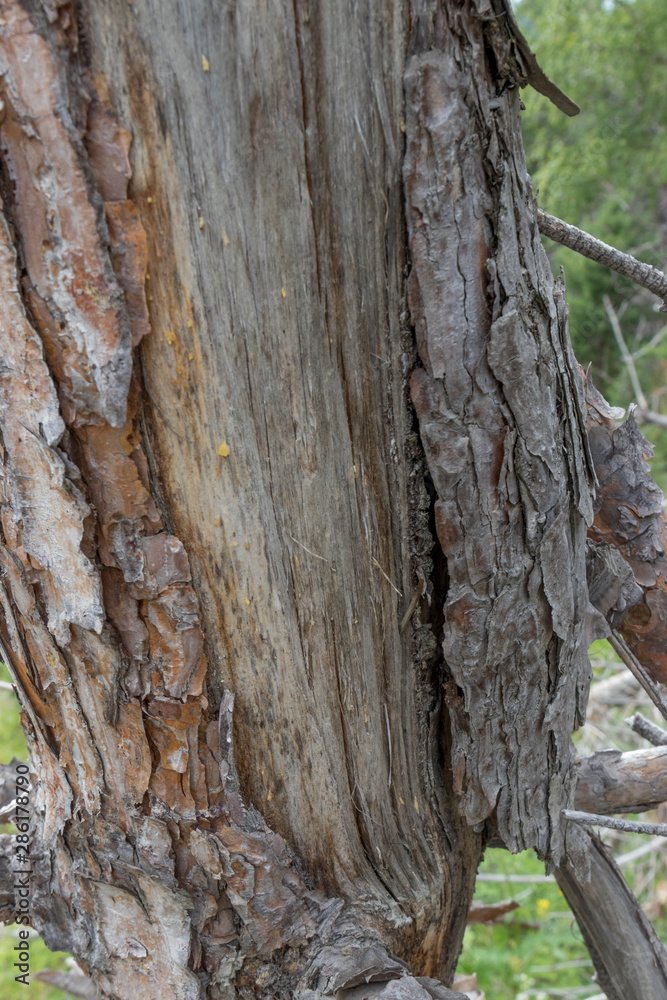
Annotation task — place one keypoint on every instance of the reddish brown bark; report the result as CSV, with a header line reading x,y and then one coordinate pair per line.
x,y
629,516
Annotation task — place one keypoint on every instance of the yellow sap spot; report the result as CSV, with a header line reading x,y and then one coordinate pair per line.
x,y
283,293
150,298
190,357
225,238
150,202
235,544
190,324
296,561
269,796
365,713
169,336
205,65
223,449
247,601
217,521
201,222
543,907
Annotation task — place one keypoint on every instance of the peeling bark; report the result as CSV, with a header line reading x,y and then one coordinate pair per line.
x,y
221,598
629,516
500,403
150,864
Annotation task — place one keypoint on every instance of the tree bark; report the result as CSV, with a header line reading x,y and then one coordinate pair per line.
x,y
222,600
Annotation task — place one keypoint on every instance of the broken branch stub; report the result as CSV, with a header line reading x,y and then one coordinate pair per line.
x,y
614,782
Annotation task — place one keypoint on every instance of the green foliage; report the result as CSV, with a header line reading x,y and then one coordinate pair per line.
x,y
12,744
40,958
605,171
510,957
12,741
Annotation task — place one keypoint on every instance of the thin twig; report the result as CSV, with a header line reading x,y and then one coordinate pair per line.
x,y
628,360
421,587
386,719
305,548
614,823
647,730
389,581
652,845
635,667
587,245
653,342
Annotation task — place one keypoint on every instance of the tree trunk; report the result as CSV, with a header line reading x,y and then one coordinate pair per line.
x,y
223,600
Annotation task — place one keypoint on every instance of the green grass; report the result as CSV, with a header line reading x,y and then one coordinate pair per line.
x,y
509,957
12,744
12,741
40,958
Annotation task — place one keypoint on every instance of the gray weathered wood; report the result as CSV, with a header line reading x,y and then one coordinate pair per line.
x,y
644,727
615,782
587,245
269,188
630,961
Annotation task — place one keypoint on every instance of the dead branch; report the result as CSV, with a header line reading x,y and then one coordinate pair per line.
x,y
647,729
588,246
487,913
621,941
615,782
536,76
628,360
614,823
632,663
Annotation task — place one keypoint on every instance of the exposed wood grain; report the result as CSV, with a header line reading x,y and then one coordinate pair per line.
x,y
615,782
154,866
245,777
269,187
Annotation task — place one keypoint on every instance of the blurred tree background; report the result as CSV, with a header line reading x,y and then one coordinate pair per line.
x,y
606,172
